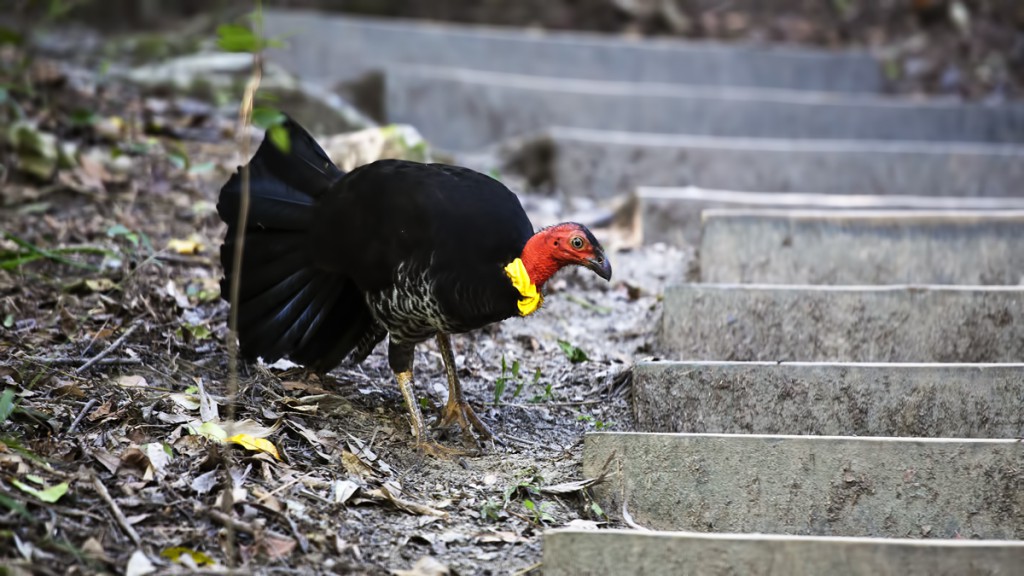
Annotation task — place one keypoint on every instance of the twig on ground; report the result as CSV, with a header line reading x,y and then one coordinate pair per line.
x,y
231,523
116,510
530,569
521,441
549,404
106,351
65,360
74,424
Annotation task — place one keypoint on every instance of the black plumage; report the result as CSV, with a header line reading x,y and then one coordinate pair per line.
x,y
334,261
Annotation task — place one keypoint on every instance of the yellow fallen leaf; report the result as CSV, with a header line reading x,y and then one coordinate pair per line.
x,y
250,442
174,555
184,246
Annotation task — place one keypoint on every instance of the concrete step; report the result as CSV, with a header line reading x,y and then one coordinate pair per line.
x,y
673,215
464,110
601,164
813,485
855,399
570,552
332,49
843,323
862,247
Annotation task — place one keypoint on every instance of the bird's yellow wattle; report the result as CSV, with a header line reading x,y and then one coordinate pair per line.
x,y
529,296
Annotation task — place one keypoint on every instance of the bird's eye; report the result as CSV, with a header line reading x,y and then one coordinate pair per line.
x,y
576,242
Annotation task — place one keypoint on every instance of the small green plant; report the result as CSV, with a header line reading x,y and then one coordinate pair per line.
x,y
547,396
6,405
490,511
196,332
512,375
28,252
575,354
502,382
528,489
120,231
540,514
598,424
528,485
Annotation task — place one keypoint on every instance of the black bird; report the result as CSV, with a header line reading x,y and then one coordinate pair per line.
x,y
333,262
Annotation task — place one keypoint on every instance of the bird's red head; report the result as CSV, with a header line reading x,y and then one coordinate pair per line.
x,y
566,244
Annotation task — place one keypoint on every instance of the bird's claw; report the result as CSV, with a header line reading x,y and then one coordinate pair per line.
x,y
436,450
462,413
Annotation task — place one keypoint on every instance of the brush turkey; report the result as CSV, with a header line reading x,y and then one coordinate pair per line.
x,y
333,262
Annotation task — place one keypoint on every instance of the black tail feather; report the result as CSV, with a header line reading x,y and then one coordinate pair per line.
x,y
286,305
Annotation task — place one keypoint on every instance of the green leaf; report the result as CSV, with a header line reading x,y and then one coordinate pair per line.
x,y
573,353
49,495
8,320
6,404
264,117
279,136
120,230
83,118
16,506
198,331
11,36
237,38
178,156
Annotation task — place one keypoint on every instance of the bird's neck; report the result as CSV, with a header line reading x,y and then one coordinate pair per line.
x,y
538,260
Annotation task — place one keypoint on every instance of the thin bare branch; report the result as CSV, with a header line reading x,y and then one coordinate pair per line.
x,y
122,521
106,351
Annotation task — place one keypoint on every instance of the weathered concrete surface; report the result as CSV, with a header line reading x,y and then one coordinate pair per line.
x,y
601,164
569,552
843,323
334,49
862,247
816,485
673,215
460,110
922,400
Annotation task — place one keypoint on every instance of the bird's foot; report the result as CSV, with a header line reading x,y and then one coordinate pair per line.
x,y
432,448
461,413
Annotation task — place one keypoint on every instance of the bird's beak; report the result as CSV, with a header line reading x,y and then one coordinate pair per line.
x,y
600,265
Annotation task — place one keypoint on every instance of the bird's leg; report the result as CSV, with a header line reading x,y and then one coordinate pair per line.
x,y
457,409
400,358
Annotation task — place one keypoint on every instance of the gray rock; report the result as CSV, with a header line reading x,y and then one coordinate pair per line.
x,y
462,109
813,485
332,49
570,552
843,323
924,400
600,164
870,247
673,215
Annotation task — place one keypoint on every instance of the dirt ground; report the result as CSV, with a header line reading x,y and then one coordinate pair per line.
x,y
113,355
